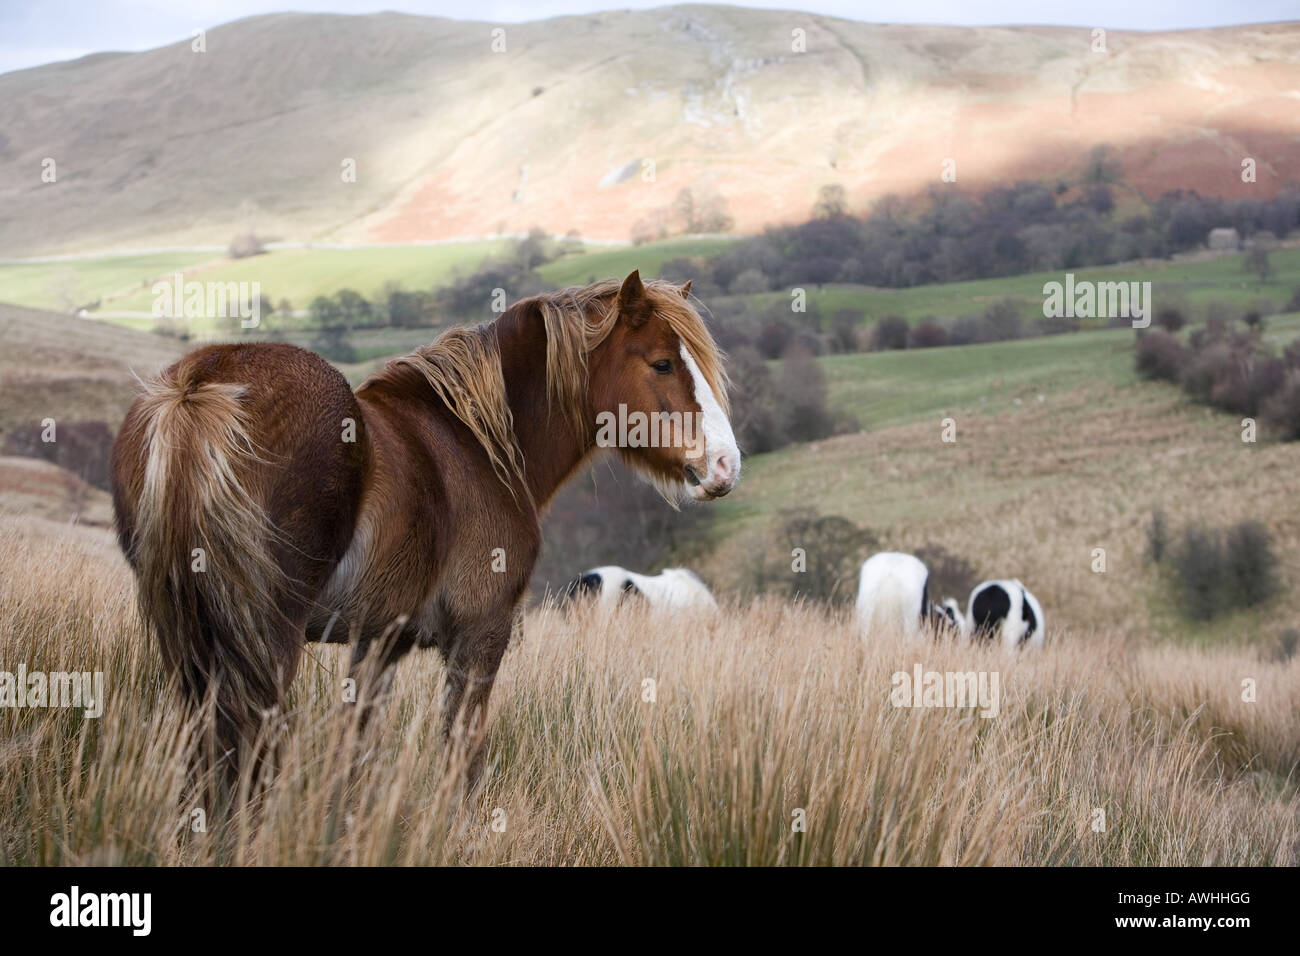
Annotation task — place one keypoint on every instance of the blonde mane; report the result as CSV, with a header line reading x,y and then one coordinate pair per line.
x,y
463,366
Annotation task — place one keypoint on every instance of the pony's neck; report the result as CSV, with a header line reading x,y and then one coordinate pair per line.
x,y
548,438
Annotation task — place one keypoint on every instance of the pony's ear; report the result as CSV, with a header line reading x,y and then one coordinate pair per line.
x,y
685,290
633,303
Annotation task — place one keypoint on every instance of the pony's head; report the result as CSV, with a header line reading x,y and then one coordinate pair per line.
x,y
659,392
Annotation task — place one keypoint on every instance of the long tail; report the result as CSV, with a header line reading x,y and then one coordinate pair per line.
x,y
202,550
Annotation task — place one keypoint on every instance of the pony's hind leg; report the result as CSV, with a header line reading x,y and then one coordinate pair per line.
x,y
374,667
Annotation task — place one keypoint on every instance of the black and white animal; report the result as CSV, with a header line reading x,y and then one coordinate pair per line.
x,y
893,594
946,617
670,589
1006,612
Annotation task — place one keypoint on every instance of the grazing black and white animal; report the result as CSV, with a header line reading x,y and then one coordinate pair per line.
x,y
1006,612
670,589
893,594
946,617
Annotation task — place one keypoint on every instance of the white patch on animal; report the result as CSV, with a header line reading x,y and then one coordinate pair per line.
x,y
345,577
719,441
892,594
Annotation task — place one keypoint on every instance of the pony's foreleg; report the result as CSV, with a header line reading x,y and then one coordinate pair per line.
x,y
472,663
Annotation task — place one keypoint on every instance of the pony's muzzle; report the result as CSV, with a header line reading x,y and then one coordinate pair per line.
x,y
719,478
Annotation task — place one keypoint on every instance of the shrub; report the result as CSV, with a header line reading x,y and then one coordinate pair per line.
x,y
1282,411
1058,325
750,282
754,414
774,338
1229,370
890,333
967,330
1257,261
472,296
243,246
803,415
1250,563
335,344
1257,382
845,331
1198,564
950,575
1224,570
1157,536
833,549
1205,370
325,312
1214,330
536,249
409,309
1160,356
1242,381
1002,321
927,335
1170,319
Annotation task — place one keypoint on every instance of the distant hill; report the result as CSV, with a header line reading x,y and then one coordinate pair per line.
x,y
451,139
70,369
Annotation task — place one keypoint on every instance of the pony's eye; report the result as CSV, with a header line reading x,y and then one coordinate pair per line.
x,y
663,366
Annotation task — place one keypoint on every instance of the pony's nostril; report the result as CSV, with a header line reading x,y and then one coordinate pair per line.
x,y
691,477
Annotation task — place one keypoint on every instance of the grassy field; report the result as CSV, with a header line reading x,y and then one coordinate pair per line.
x,y
598,264
70,284
881,389
887,388
300,275
1191,284
766,736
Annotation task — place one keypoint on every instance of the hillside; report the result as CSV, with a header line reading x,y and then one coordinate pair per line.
x,y
1059,450
450,139
39,489
66,368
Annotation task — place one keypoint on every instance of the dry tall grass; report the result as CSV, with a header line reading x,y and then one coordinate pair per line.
x,y
757,714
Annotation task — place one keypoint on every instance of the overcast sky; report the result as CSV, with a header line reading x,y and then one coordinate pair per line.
x,y
33,32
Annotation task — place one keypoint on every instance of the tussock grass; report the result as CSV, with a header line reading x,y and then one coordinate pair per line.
x,y
763,711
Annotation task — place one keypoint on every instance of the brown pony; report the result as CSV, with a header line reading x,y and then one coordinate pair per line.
x,y
262,503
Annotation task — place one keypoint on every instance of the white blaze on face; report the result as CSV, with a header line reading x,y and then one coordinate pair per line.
x,y
721,462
